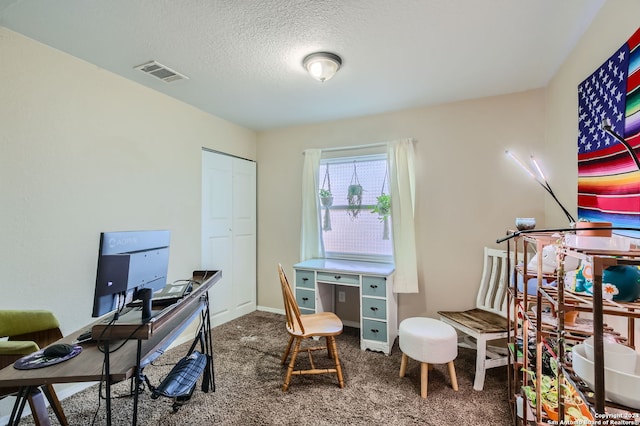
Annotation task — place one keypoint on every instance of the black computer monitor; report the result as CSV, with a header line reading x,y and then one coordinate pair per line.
x,y
131,265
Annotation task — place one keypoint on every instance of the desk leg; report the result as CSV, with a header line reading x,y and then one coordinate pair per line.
x,y
107,374
18,406
138,382
208,347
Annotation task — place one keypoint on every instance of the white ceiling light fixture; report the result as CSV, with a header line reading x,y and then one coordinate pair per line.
x,y
322,65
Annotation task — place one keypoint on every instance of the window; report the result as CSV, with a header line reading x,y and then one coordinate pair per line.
x,y
352,230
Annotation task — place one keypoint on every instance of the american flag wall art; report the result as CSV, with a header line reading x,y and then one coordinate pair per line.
x,y
608,178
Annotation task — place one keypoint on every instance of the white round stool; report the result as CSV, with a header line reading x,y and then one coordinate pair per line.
x,y
429,341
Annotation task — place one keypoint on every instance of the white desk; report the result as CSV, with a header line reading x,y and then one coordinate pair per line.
x,y
315,283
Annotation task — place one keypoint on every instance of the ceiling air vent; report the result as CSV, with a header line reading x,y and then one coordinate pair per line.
x,y
160,71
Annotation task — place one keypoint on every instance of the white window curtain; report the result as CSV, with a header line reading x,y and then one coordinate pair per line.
x,y
311,245
401,159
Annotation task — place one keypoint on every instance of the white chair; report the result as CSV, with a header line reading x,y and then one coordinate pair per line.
x,y
488,320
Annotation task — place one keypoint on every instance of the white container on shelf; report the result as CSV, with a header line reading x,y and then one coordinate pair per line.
x,y
613,243
616,356
620,387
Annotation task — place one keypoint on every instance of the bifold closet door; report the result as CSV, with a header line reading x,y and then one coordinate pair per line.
x,y
229,233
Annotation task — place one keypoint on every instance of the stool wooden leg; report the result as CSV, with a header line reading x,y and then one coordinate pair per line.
x,y
403,365
424,375
452,375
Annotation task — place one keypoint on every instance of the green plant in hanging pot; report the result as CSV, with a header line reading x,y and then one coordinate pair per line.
x,y
354,197
354,194
354,190
383,209
326,198
383,206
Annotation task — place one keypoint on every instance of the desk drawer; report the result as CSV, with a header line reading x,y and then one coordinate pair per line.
x,y
374,286
374,308
304,278
374,330
306,298
338,278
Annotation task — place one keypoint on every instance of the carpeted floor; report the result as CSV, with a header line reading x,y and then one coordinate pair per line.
x,y
249,376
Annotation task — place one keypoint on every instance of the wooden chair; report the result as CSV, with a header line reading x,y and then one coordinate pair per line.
x,y
299,327
27,332
488,320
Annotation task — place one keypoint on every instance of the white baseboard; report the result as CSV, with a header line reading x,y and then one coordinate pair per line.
x,y
354,324
272,310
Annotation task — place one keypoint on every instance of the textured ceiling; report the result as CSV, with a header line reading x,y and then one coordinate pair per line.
x,y
244,57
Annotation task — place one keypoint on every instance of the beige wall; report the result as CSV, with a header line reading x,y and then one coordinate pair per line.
x,y
468,192
84,151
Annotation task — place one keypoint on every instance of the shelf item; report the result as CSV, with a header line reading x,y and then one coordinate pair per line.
x,y
582,327
620,387
616,356
585,302
584,242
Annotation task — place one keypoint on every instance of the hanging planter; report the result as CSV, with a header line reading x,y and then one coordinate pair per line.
x,y
326,199
383,209
354,194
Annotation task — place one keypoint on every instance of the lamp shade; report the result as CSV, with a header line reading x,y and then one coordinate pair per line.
x,y
322,65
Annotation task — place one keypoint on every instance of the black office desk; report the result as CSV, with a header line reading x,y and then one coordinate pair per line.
x,y
145,342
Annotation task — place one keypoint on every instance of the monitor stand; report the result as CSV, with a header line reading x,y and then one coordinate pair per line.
x,y
145,296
